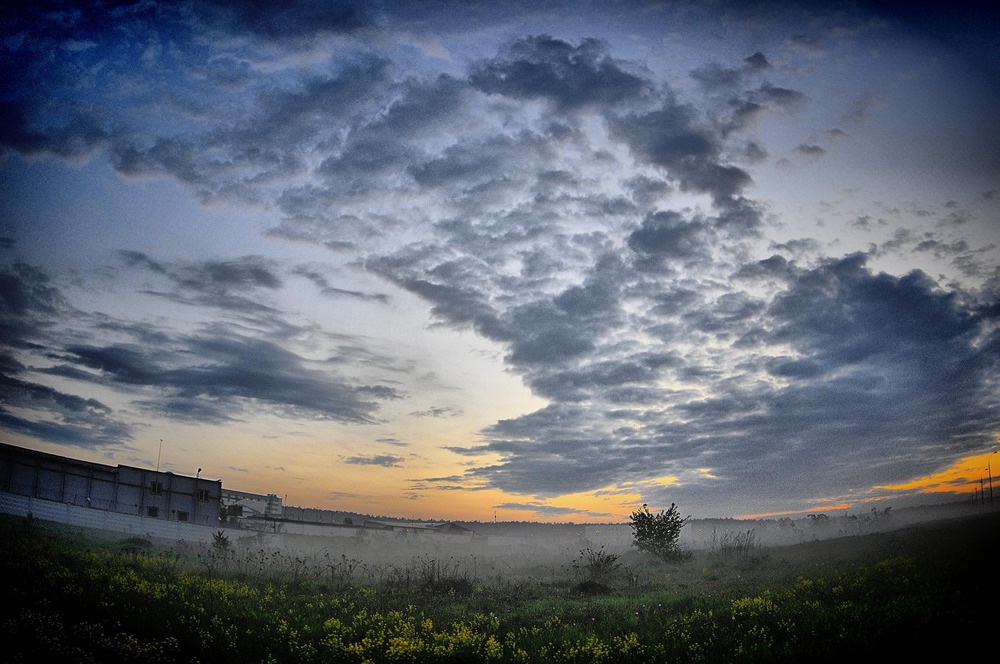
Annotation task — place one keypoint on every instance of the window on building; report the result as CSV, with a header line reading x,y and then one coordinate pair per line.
x,y
156,488
152,511
182,516
203,495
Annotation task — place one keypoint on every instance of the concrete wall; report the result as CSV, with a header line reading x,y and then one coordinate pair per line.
x,y
127,524
288,535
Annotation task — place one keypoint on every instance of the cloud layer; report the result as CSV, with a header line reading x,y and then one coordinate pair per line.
x,y
586,210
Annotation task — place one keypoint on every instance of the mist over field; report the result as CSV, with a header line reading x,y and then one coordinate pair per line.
x,y
496,548
536,593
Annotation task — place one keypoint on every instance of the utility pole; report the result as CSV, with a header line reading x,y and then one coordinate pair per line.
x,y
989,469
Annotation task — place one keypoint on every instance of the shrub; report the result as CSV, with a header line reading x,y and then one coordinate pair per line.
x,y
739,545
596,568
659,533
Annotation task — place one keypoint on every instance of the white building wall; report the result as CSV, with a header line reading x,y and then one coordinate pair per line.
x,y
126,524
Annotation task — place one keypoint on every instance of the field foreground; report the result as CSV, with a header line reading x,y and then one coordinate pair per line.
x,y
79,596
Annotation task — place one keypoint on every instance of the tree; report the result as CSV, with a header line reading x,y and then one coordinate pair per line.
x,y
658,533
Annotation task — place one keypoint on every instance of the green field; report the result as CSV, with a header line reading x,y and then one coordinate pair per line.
x,y
81,596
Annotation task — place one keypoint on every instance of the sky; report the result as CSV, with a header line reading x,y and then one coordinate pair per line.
x,y
540,261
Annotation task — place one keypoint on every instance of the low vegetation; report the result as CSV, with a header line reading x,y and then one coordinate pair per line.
x,y
76,596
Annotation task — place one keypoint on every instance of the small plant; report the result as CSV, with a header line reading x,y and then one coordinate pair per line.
x,y
341,572
596,569
439,577
220,541
659,533
597,566
739,545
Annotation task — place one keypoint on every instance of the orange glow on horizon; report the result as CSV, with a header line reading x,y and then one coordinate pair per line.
x,y
398,495
965,476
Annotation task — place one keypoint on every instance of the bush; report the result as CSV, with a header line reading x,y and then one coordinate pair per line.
x,y
658,533
740,545
596,567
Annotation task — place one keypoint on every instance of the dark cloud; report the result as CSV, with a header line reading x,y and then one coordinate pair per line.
x,y
745,107
42,412
438,411
468,164
271,376
572,77
225,377
298,22
26,291
544,510
715,76
689,151
242,274
545,333
384,460
321,282
843,313
234,284
81,432
757,62
395,442
121,364
461,307
779,97
67,135
775,266
753,152
390,140
669,236
810,150
647,191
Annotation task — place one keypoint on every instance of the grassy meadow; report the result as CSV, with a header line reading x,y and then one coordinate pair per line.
x,y
80,596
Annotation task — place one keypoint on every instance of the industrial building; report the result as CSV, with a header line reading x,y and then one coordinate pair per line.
x,y
165,504
121,489
243,504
